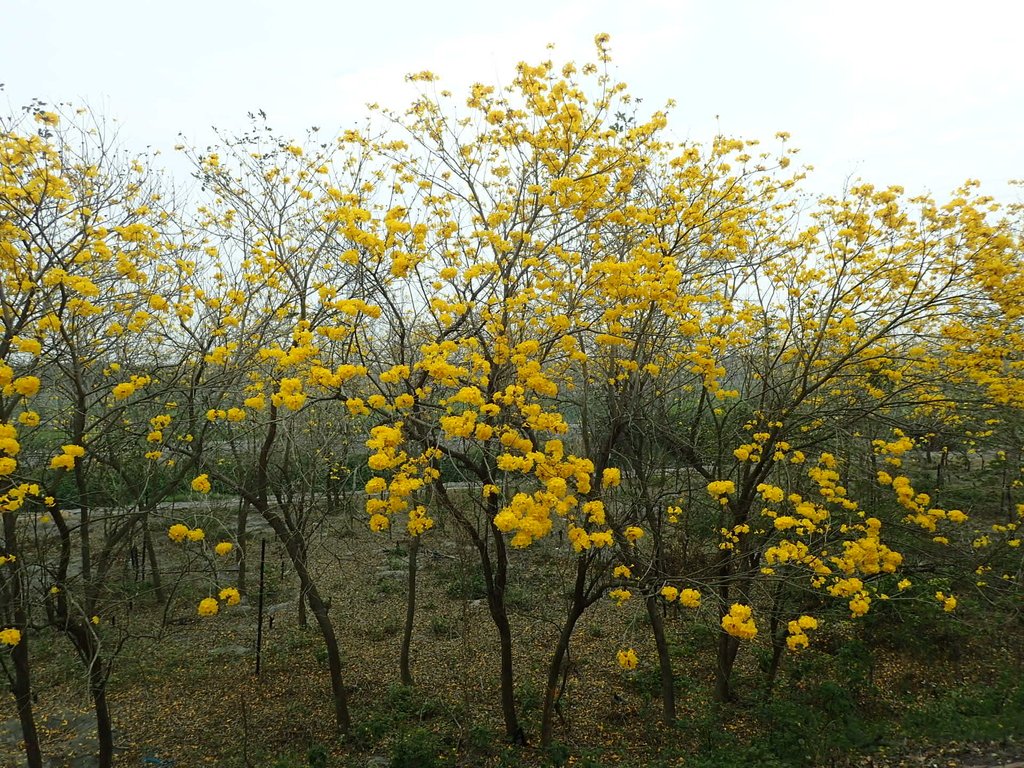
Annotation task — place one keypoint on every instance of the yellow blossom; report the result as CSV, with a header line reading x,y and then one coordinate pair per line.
x,y
10,637
739,622
689,598
628,659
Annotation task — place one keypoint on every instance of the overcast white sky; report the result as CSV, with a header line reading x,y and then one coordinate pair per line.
x,y
923,94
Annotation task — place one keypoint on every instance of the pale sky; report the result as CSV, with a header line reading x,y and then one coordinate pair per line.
x,y
923,94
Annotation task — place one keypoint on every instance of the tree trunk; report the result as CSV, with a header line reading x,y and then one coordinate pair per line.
x,y
323,620
513,731
154,567
555,670
104,726
22,689
410,614
303,552
496,584
495,578
668,686
554,690
778,646
21,684
727,648
303,619
319,609
241,524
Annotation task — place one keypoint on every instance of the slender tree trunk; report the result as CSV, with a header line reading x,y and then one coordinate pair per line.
x,y
726,653
495,577
668,683
87,646
104,725
85,643
555,671
241,524
22,690
726,657
319,609
154,566
303,619
21,684
499,613
558,659
410,613
513,731
323,620
778,646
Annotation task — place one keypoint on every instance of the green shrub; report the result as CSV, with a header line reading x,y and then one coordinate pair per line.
x,y
417,748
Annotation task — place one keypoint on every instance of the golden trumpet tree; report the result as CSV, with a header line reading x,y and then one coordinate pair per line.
x,y
86,298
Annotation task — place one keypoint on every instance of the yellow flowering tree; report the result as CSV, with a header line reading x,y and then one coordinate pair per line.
x,y
82,235
296,242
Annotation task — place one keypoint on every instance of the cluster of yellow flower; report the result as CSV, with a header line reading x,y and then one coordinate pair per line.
x,y
201,483
798,628
628,659
128,388
10,637
16,496
66,459
179,532
10,446
209,606
688,598
721,489
739,622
